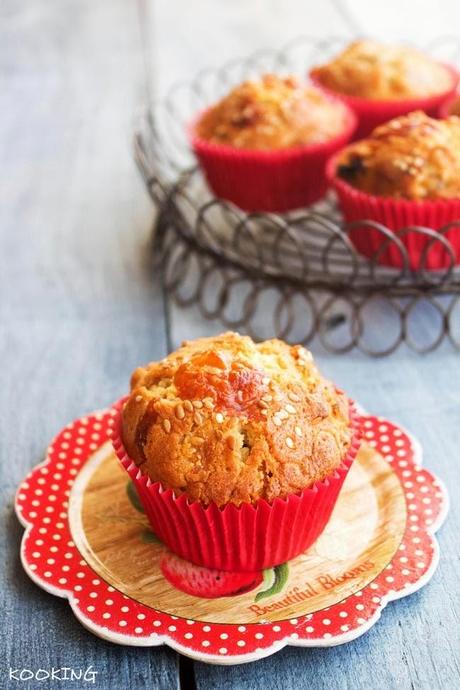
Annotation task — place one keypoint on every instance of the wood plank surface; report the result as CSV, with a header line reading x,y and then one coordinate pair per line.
x,y
79,307
189,36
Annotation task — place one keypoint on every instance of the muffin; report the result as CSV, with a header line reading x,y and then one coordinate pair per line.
x,y
372,70
228,437
382,81
406,173
271,113
264,145
412,157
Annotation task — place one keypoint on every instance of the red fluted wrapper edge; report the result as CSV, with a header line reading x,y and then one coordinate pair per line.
x,y
372,112
249,537
424,251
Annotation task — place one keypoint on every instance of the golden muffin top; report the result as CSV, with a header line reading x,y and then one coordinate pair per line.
x,y
272,113
373,70
411,157
226,420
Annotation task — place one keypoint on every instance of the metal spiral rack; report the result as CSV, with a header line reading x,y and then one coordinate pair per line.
x,y
295,276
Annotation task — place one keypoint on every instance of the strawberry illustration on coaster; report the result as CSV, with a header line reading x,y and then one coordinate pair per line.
x,y
210,583
206,582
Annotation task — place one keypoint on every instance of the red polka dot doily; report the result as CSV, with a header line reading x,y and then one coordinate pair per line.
x,y
51,558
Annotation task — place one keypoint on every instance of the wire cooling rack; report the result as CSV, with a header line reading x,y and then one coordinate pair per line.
x,y
295,276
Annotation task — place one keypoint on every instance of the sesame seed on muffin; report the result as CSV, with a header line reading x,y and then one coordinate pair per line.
x,y
225,420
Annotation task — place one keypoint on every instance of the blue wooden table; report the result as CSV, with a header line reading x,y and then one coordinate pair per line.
x,y
80,309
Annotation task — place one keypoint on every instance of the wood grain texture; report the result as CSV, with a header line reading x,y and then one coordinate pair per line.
x,y
412,20
366,527
79,308
190,36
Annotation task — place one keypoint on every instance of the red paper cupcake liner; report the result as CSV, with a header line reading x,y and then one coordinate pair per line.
x,y
371,113
424,252
245,538
444,109
270,181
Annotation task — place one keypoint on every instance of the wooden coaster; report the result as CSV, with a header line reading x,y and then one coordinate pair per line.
x,y
361,538
87,539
